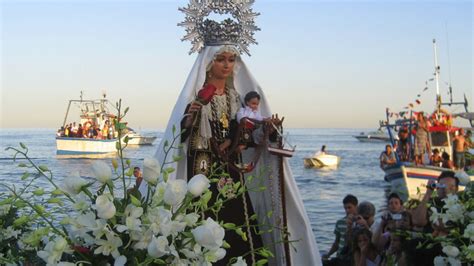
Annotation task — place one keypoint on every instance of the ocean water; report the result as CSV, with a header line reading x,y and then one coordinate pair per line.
x,y
322,190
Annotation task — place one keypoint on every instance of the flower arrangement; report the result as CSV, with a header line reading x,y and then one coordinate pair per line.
x,y
73,224
457,217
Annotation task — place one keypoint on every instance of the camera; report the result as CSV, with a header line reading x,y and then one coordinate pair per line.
x,y
437,185
396,216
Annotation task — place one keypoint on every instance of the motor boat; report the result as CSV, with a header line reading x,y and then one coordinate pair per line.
x,y
322,159
374,136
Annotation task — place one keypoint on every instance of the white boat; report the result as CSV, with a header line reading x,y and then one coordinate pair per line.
x,y
135,138
322,160
374,136
95,112
410,180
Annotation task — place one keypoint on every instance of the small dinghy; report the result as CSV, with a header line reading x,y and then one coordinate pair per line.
x,y
322,159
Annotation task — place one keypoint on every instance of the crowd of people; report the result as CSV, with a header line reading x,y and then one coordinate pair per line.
x,y
89,130
421,147
362,240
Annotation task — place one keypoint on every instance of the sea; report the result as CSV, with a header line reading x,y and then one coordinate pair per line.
x,y
322,190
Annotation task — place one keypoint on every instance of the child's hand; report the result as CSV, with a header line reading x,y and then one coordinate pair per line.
x,y
224,145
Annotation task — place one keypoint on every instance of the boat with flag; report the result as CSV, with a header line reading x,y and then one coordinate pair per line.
x,y
95,133
408,179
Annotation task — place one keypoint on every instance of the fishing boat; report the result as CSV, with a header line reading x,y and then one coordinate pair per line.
x,y
95,113
410,180
378,136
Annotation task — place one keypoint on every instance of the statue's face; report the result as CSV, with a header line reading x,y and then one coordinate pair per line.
x,y
223,65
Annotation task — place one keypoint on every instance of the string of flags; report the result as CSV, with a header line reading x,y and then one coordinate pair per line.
x,y
410,106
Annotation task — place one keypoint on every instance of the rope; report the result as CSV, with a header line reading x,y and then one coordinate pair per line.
x,y
247,220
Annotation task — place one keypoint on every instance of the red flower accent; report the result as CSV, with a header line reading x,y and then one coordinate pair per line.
x,y
81,249
205,94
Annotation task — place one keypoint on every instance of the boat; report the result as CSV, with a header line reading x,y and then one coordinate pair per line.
x,y
374,136
135,138
410,180
322,160
95,112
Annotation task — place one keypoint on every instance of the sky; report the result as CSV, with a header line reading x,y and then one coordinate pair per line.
x,y
322,64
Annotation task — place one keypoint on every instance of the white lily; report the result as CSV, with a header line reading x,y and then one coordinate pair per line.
x,y
102,171
151,170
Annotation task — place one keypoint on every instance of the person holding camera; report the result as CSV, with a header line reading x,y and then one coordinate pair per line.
x,y
363,220
447,184
395,218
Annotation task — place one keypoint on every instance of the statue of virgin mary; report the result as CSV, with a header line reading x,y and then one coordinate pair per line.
x,y
205,113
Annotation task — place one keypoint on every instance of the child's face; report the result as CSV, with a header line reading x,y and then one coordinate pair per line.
x,y
350,208
253,103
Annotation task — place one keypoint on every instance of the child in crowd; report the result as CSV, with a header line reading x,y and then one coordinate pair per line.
x,y
344,255
435,158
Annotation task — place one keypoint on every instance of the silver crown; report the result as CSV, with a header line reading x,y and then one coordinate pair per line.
x,y
201,31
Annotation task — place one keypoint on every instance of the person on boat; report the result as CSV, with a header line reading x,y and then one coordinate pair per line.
x,y
435,158
422,144
460,146
344,254
205,113
320,152
387,157
403,146
446,184
447,162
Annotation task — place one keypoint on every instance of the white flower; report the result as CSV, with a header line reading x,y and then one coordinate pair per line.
x,y
120,261
73,184
191,218
438,261
105,208
53,251
215,255
82,203
109,246
132,223
158,247
143,241
454,261
451,251
175,192
455,213
151,170
435,215
102,171
198,184
159,193
469,231
209,235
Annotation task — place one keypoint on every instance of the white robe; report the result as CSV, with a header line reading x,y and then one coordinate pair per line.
x,y
305,251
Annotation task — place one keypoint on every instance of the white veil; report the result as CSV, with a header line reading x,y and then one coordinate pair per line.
x,y
305,251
